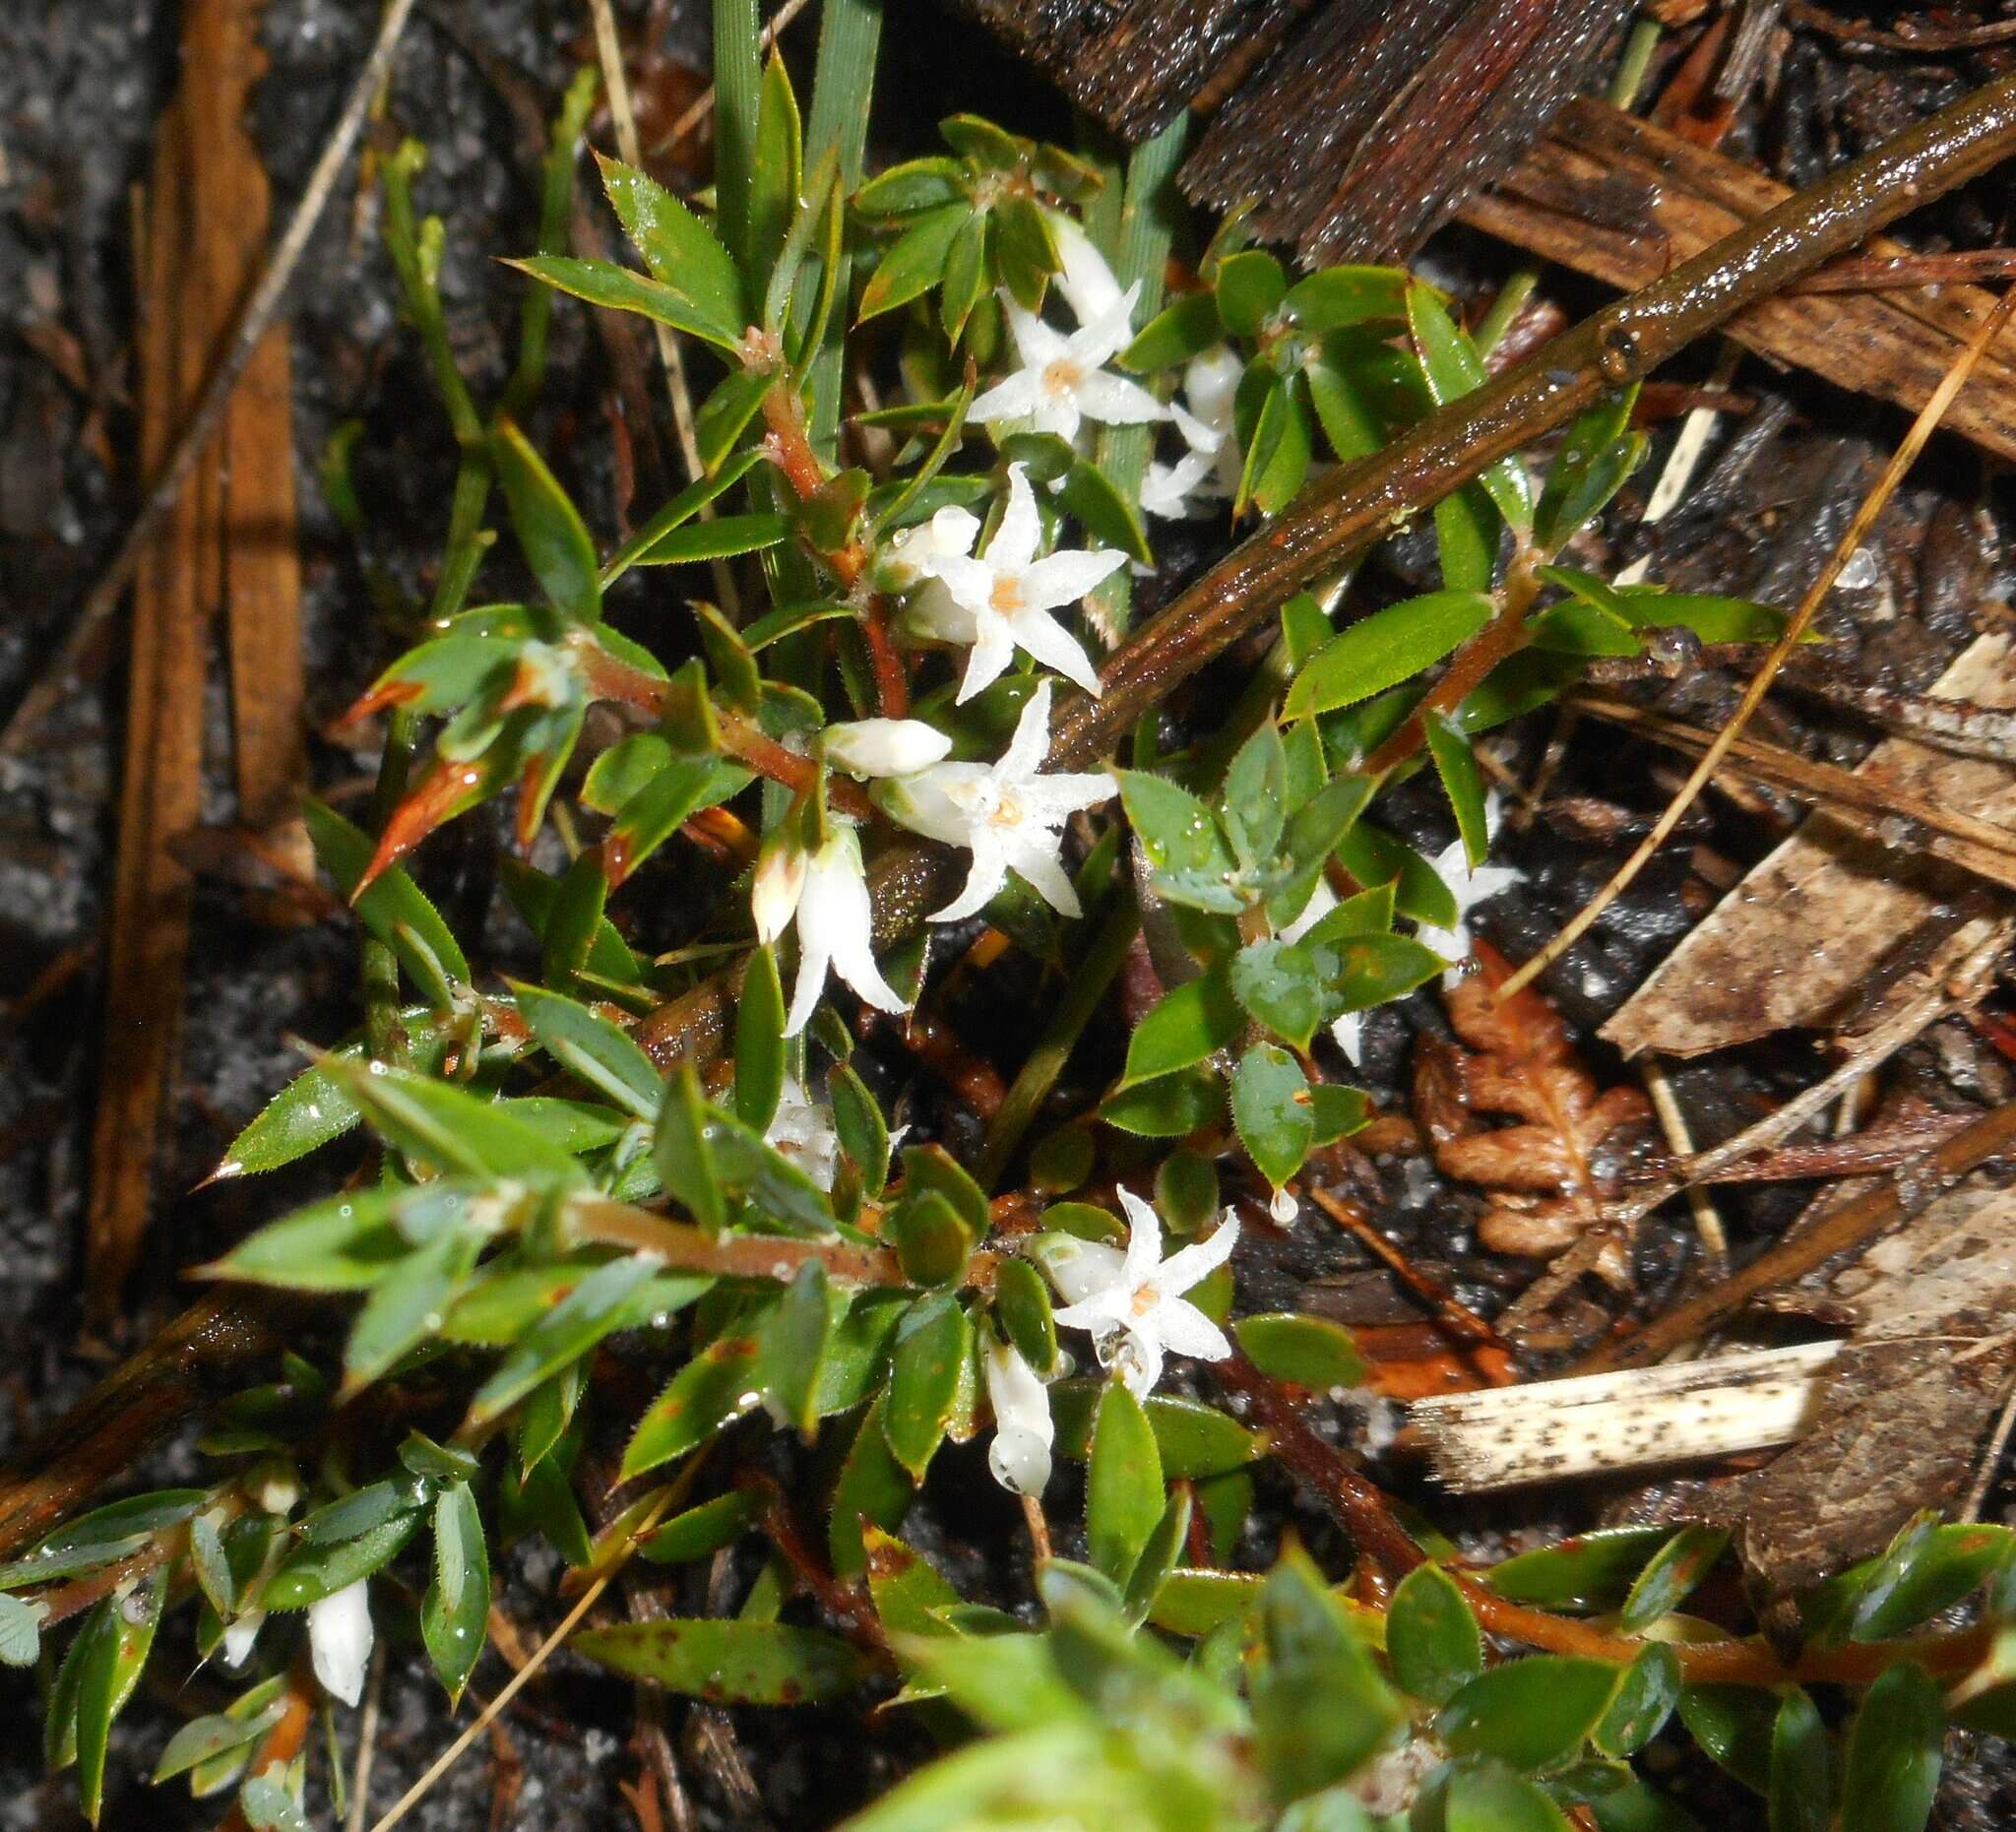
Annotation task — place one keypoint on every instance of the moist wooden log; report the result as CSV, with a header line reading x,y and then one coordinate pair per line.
x,y
1623,200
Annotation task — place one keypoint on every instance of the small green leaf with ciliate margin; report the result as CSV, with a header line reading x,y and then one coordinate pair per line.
x,y
916,184
309,1112
605,283
664,805
702,1531
1025,251
449,1128
723,538
313,1570
1802,1767
1640,1706
394,909
1597,455
343,1244
1490,1799
560,1335
1270,1110
689,502
1308,1351
1713,619
685,1158
1160,1556
1528,1712
863,1132
966,276
1452,368
361,1511
790,1346
1734,1725
1319,1705
1193,1440
730,1663
714,1387
1673,1572
759,1042
681,251
1123,1483
1334,297
1462,782
1376,858
932,1343
1186,1192
1590,1573
1386,648
1280,986
203,1740
1179,331
1184,1027
906,1588
1089,495
535,897
916,261
1169,1106
1021,1306
1432,1641
596,1052
407,1305
1344,406
1250,287
932,1244
1255,791
1181,841
1891,1770
1928,1567
873,1488
456,1610
574,919
776,169
103,1535
723,418
556,542
111,1650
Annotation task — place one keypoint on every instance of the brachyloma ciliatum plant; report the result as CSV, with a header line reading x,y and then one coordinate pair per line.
x,y
547,1164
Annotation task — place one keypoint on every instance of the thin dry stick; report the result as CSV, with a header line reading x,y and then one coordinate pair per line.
x,y
259,311
367,1742
1672,1123
702,108
1851,539
448,1757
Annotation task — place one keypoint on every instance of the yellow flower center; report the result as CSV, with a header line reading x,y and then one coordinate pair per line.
x,y
1062,376
1006,597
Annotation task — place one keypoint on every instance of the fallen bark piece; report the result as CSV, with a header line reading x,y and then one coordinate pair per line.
x,y
229,542
1808,927
1604,1423
1623,200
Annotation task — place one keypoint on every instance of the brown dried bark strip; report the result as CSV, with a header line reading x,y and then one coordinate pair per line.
x,y
1894,346
206,233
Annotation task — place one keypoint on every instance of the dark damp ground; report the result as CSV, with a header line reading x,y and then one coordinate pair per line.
x,y
81,83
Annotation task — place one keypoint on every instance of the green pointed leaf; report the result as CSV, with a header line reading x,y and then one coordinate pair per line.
x,y
1180,838
703,1396
449,1128
1193,1440
1181,330
759,1043
1643,1701
456,1610
1452,367
343,1244
110,1652
407,1304
1270,1110
1590,1573
1462,782
1386,648
1734,1725
594,1051
916,261
1488,1800
1673,1572
1528,1712
1308,1351
728,1662
1280,986
1891,1771
1334,297
906,1588
702,1531
863,1132
1927,1568
1432,1640
1250,287
932,1344
1186,1025
394,909
792,1348
1021,1306
314,1569
721,539
1123,1495
555,539
680,251
605,283
873,1487
1255,791
1802,1767
1169,1106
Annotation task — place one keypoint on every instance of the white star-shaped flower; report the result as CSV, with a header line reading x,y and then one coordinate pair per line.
x,y
1008,814
827,891
1208,470
1469,887
1063,380
1002,599
1132,1302
1019,1455
1085,280
340,1640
